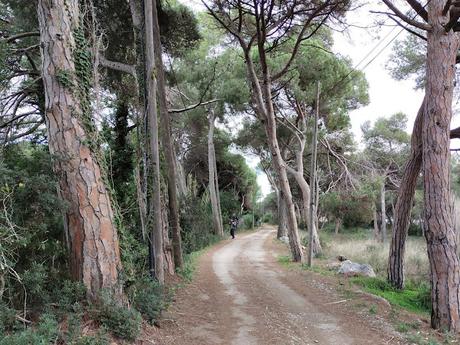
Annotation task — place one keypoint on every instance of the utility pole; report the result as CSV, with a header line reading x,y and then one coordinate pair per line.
x,y
313,177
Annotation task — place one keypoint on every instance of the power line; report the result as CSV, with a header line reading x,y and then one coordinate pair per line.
x,y
355,68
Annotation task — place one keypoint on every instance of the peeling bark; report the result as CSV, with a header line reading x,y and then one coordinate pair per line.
x,y
439,232
94,248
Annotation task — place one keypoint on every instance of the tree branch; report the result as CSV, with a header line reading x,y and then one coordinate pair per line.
x,y
413,32
300,39
21,35
191,107
117,66
455,133
408,20
419,9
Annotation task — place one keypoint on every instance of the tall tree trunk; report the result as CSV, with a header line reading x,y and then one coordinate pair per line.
x,y
305,189
442,49
404,201
213,188
216,176
94,248
338,224
285,189
383,214
156,233
167,143
282,229
376,224
181,179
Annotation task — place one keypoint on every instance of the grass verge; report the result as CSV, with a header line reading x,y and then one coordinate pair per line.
x,y
413,298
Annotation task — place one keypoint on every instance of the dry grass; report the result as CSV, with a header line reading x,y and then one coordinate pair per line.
x,y
361,248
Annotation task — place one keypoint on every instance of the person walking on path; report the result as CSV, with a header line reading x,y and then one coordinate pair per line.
x,y
233,225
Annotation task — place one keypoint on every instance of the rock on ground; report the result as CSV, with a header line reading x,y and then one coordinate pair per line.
x,y
351,269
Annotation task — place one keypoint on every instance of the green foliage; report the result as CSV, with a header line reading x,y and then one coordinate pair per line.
x,y
196,223
284,260
408,60
65,78
387,141
415,298
354,208
148,297
46,333
99,339
189,267
45,286
230,205
247,221
7,318
178,27
268,218
120,320
84,77
314,62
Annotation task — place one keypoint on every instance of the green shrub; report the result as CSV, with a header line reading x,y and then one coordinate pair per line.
x,y
121,321
46,332
71,294
196,224
415,230
7,318
268,218
188,269
247,221
100,338
148,298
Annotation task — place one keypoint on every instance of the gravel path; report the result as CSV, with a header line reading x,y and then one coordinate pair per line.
x,y
241,295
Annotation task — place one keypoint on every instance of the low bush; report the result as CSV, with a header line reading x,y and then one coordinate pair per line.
x,y
100,338
46,332
121,321
7,318
148,297
188,269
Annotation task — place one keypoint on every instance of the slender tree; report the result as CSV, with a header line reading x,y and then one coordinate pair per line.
x,y
213,181
404,206
151,115
166,137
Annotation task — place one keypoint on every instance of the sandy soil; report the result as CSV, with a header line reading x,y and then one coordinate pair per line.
x,y
241,295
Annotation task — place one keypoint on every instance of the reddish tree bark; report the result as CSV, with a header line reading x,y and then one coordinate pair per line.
x,y
94,249
442,49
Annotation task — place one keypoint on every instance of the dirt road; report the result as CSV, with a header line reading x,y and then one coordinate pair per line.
x,y
242,295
